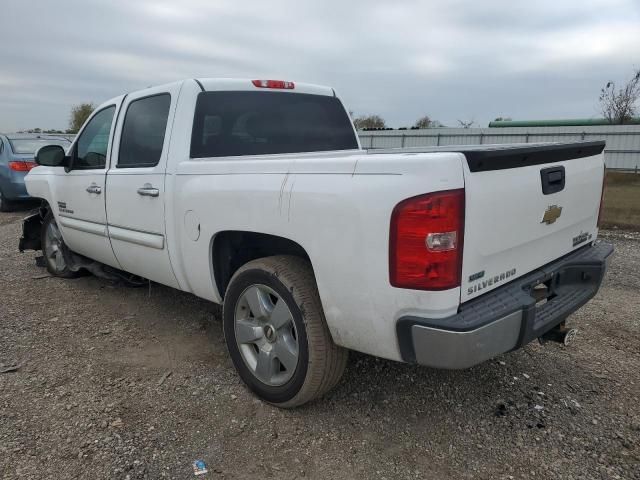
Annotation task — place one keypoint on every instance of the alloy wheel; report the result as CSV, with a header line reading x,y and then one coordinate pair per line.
x,y
266,336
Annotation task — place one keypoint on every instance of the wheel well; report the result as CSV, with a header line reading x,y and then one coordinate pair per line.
x,y
32,229
232,249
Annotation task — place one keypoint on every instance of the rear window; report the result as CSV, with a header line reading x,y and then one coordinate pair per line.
x,y
143,131
258,123
23,146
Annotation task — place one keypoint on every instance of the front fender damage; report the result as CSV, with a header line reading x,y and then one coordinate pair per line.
x,y
32,231
31,239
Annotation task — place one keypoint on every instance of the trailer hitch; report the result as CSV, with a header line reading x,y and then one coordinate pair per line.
x,y
560,334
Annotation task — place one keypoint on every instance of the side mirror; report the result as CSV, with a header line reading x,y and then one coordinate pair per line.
x,y
51,156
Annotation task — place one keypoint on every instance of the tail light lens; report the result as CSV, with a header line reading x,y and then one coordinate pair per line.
x,y
604,187
425,246
280,84
19,166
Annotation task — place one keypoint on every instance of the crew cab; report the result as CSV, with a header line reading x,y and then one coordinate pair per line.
x,y
256,194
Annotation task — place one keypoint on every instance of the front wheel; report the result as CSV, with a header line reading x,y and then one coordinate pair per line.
x,y
54,249
276,332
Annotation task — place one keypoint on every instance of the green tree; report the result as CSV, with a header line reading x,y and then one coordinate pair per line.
x,y
369,121
79,114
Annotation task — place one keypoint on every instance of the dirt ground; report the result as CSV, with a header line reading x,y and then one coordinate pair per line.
x,y
622,200
126,383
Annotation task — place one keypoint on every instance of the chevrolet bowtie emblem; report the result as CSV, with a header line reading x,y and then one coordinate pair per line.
x,y
552,214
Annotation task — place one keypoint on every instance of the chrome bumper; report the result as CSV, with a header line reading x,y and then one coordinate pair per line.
x,y
506,318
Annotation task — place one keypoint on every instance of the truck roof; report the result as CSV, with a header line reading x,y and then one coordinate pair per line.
x,y
217,84
240,84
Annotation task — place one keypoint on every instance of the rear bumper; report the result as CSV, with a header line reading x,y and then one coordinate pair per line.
x,y
13,187
508,317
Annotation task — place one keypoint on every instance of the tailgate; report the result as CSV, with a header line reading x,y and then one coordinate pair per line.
x,y
525,207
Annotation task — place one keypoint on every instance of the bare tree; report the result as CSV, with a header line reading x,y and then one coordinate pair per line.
x,y
619,104
79,114
466,123
423,122
427,122
369,121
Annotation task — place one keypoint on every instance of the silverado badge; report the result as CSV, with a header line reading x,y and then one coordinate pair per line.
x,y
552,214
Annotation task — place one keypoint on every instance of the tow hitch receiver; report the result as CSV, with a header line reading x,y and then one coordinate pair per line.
x,y
561,334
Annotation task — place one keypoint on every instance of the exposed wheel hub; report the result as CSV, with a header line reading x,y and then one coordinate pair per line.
x,y
53,246
270,333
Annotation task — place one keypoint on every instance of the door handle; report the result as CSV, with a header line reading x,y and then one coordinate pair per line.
x,y
93,188
553,179
148,190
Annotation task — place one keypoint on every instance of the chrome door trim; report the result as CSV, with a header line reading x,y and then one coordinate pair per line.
x,y
84,225
152,240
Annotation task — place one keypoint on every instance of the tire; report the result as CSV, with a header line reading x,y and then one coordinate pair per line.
x,y
54,249
5,205
272,334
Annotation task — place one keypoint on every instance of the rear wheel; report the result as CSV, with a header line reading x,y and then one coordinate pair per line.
x,y
276,333
54,249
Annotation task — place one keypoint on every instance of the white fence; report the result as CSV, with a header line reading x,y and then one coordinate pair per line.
x,y
622,151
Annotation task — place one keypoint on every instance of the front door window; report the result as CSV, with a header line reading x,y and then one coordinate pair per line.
x,y
91,148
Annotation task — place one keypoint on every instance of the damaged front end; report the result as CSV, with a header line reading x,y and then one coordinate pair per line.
x,y
31,239
32,231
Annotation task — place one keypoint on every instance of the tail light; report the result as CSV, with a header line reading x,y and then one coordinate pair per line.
x,y
20,166
604,187
281,84
425,245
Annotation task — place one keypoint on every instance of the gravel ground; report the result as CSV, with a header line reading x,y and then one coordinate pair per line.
x,y
126,383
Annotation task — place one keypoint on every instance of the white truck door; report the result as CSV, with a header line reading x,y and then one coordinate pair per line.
x,y
136,184
78,195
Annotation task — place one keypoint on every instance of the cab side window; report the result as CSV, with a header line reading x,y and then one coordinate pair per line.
x,y
143,131
91,148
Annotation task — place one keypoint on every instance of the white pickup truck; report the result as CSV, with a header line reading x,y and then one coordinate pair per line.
x,y
256,194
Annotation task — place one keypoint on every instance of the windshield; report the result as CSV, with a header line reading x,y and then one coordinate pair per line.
x,y
30,145
257,123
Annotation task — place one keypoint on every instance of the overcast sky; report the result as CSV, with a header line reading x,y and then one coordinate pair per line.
x,y
397,58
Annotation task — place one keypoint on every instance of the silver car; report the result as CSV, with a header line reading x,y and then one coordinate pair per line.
x,y
17,152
